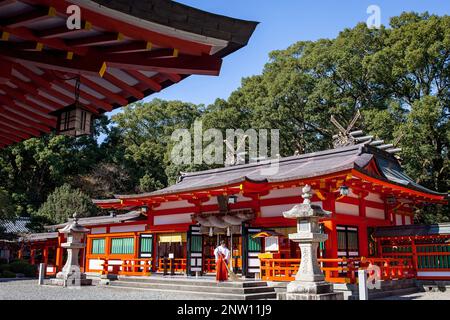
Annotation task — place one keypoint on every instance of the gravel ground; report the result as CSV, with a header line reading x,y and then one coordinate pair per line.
x,y
30,290
17,289
445,295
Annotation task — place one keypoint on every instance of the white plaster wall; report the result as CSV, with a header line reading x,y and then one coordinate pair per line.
x,y
374,197
281,193
408,220
277,210
374,213
98,230
346,208
173,218
398,219
174,205
132,228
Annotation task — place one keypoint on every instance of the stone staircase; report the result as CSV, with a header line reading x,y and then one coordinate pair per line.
x,y
205,288
388,289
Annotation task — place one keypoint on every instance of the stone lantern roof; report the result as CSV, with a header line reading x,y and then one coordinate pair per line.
x,y
73,226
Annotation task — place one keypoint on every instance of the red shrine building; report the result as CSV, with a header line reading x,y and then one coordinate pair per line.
x,y
177,228
56,78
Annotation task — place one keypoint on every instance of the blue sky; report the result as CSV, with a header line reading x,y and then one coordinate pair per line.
x,y
282,23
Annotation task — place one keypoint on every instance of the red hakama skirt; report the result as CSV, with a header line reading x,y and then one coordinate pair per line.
x,y
221,269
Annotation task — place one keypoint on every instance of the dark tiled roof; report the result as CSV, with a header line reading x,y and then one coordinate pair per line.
x,y
15,226
290,168
295,168
39,236
92,221
413,230
182,17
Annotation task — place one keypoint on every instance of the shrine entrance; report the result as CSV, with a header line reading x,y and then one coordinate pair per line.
x,y
204,238
233,242
171,253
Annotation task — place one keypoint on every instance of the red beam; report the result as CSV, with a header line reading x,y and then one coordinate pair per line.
x,y
16,125
59,44
97,40
155,86
5,72
173,77
14,132
62,31
23,98
5,3
26,121
45,85
102,90
78,65
205,65
10,137
124,86
4,143
27,90
136,46
39,14
97,102
111,24
30,113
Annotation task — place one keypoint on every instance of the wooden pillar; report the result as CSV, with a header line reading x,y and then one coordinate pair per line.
x,y
59,253
362,240
331,245
45,255
20,253
362,227
379,248
32,256
136,245
331,248
414,255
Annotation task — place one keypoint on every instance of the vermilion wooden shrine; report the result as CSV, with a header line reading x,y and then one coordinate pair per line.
x,y
122,52
177,228
125,51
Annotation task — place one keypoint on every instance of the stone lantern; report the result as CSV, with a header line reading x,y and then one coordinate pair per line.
x,y
71,274
309,283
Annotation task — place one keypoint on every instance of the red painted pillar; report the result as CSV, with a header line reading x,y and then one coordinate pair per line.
x,y
59,253
32,256
45,255
331,245
362,228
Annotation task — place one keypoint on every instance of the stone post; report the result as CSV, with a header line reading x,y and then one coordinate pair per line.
x,y
42,267
71,274
362,285
309,283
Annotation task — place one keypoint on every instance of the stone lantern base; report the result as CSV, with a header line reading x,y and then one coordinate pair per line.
x,y
304,290
71,282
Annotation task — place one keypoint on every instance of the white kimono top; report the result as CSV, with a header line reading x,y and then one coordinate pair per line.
x,y
225,251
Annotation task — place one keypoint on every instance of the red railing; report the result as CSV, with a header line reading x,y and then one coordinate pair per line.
x,y
178,265
339,270
129,267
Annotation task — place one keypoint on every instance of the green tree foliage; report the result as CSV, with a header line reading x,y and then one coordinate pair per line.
x,y
62,203
6,205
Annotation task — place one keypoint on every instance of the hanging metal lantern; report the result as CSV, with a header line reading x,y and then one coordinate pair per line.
x,y
74,120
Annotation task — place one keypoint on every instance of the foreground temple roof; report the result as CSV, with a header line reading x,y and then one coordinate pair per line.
x,y
124,51
353,163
